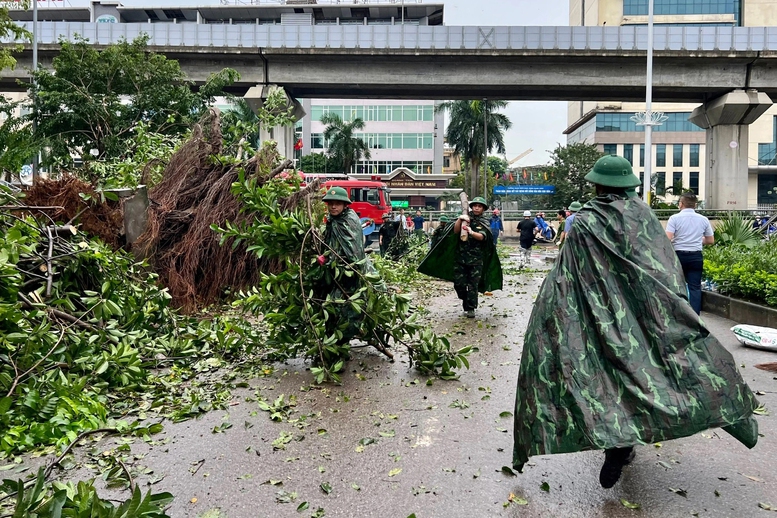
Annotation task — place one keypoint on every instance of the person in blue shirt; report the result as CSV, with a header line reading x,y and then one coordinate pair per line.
x,y
418,223
573,208
497,227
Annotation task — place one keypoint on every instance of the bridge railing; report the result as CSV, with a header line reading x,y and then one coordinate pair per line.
x,y
418,37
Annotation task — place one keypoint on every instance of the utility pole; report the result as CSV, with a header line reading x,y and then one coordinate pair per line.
x,y
403,13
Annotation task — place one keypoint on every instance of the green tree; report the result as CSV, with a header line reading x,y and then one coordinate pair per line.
x,y
344,145
92,99
240,122
16,142
497,166
567,169
9,31
465,132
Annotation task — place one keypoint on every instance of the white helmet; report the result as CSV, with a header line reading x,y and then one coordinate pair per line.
x,y
527,213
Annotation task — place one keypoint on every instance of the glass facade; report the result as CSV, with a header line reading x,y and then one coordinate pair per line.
x,y
677,182
664,7
660,155
677,155
611,149
694,155
628,153
379,113
767,153
660,184
693,182
677,121
642,155
383,140
767,189
379,167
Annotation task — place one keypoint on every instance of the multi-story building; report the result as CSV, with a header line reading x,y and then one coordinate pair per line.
x,y
678,154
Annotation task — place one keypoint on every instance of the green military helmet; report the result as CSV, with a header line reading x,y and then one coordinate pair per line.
x,y
444,219
613,171
336,194
575,206
480,200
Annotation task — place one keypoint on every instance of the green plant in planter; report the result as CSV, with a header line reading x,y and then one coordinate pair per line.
x,y
737,229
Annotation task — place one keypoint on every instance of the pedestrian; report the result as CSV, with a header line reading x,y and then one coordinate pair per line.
x,y
472,264
544,230
561,217
688,232
614,357
386,234
400,216
439,231
528,229
418,223
496,226
572,210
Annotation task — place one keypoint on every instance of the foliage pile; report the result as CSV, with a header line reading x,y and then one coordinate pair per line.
x,y
304,316
78,202
195,193
81,327
744,272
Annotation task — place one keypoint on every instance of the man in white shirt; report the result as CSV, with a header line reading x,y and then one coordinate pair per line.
x,y
688,232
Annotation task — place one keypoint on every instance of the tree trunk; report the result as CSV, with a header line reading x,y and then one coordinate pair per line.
x,y
474,168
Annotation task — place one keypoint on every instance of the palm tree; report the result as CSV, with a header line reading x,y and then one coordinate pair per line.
x,y
343,144
241,122
465,132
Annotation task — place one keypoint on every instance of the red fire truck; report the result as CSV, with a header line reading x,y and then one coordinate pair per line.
x,y
369,198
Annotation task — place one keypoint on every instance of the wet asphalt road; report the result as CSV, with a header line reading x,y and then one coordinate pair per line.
x,y
390,445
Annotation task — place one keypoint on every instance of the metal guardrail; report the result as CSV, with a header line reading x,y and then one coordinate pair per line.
x,y
418,37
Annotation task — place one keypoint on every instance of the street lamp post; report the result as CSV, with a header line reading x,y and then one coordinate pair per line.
x,y
35,171
485,150
648,119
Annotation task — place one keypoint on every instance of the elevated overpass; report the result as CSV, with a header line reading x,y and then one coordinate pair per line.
x,y
691,64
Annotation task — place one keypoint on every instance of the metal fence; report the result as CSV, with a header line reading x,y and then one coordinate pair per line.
x,y
419,37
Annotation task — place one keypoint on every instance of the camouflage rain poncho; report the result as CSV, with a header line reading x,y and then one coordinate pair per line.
x,y
614,355
344,234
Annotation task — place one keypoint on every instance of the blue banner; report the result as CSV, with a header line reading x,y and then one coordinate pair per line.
x,y
524,189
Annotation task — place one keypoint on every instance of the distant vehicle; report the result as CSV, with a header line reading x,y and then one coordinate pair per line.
x,y
369,198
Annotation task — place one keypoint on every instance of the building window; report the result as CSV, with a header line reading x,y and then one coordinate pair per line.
x,y
628,153
676,121
677,158
446,162
660,184
693,182
767,189
675,7
767,153
677,183
694,155
660,155
611,149
642,155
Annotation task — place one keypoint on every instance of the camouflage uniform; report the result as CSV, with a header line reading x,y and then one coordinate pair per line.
x,y
469,263
438,233
613,355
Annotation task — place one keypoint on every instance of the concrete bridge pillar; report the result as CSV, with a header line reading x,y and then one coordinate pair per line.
x,y
283,135
726,120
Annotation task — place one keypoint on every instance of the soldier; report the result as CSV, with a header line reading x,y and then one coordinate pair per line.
x,y
387,233
439,231
614,356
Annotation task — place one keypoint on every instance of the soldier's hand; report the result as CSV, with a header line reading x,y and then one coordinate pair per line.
x,y
464,217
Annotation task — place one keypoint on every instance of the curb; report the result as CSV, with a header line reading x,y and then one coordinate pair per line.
x,y
740,311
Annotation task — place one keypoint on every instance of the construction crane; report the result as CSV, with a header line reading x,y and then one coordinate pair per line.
x,y
514,160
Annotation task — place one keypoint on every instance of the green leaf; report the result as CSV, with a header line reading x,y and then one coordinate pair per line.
x,y
629,505
507,470
302,507
326,487
545,487
394,472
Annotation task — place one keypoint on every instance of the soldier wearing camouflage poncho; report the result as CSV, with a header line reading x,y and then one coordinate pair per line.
x,y
344,235
472,265
614,355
